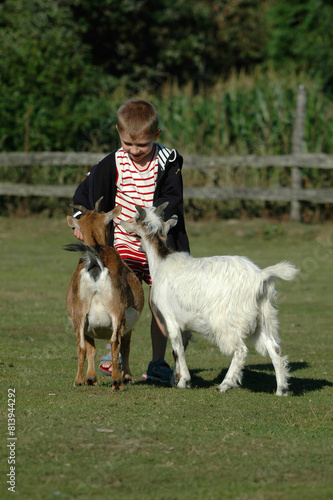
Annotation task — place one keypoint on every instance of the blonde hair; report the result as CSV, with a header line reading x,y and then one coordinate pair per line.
x,y
136,117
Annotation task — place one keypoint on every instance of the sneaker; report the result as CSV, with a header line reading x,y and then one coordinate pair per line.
x,y
159,371
108,358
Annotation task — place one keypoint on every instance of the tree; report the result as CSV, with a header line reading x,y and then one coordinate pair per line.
x,y
143,42
45,74
300,32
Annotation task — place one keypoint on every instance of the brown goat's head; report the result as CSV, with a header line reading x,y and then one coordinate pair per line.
x,y
94,224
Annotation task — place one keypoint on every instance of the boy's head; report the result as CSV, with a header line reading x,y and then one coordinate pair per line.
x,y
137,125
137,117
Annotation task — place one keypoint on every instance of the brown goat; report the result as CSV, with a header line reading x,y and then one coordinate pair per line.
x,y
104,298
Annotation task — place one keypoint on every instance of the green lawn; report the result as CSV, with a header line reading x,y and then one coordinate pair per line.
x,y
151,442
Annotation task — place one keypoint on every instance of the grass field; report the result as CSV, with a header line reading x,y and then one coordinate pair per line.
x,y
152,442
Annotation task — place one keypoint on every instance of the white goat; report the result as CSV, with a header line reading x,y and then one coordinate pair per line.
x,y
227,299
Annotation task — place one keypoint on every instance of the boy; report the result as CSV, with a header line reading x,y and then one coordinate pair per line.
x,y
145,173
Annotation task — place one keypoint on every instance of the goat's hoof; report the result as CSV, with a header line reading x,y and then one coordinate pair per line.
x,y
128,379
174,381
184,384
224,387
91,381
282,391
117,385
77,383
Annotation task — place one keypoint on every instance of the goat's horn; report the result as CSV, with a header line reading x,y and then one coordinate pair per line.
x,y
159,210
98,203
141,211
82,209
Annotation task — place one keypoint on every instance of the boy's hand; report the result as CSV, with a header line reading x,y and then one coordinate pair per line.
x,y
78,234
130,221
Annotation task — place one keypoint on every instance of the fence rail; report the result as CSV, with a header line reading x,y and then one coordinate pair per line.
x,y
322,161
297,160
308,160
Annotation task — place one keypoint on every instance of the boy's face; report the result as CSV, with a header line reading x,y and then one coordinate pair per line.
x,y
140,148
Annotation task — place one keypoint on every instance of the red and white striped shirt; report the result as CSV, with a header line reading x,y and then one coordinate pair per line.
x,y
134,187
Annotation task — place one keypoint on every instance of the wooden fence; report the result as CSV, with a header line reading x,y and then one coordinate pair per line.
x,y
296,160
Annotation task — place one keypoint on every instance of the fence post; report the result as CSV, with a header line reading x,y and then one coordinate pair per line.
x,y
297,148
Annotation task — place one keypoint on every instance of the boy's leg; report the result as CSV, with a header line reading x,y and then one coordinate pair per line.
x,y
158,335
158,370
158,339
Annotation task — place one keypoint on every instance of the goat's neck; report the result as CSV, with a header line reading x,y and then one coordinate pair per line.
x,y
96,238
156,251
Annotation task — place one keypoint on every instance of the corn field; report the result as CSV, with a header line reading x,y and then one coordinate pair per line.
x,y
246,114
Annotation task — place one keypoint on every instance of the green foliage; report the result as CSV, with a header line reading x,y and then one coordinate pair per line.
x,y
143,43
242,115
65,68
47,84
300,31
151,442
245,114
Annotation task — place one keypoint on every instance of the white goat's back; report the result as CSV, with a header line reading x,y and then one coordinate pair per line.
x,y
218,297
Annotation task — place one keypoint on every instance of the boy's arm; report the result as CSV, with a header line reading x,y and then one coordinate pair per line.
x,y
171,189
100,182
81,195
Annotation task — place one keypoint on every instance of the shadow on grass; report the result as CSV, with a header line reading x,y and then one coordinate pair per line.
x,y
256,379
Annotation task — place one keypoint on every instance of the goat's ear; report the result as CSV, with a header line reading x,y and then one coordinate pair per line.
x,y
98,204
160,209
169,224
129,226
112,215
72,222
141,211
81,208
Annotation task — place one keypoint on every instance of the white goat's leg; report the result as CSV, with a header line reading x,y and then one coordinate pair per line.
x,y
186,337
280,364
179,355
234,375
270,339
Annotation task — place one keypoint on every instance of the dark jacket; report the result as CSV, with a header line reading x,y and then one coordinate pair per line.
x,y
101,181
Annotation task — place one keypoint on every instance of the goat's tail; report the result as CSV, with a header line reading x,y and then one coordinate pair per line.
x,y
92,261
284,270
